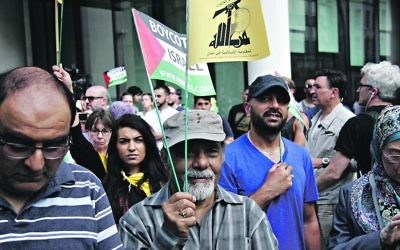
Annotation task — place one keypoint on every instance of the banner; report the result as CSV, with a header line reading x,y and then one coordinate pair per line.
x,y
229,30
115,76
164,53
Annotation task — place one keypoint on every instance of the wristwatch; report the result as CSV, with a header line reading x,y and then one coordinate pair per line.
x,y
325,162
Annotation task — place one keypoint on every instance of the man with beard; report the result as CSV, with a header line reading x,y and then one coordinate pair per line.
x,y
273,171
206,216
162,94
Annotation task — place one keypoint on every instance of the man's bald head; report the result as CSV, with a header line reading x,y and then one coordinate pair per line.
x,y
15,80
96,97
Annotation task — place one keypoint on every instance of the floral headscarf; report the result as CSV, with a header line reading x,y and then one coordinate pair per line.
x,y
387,129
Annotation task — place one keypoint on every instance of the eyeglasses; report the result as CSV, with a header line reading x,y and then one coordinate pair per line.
x,y
308,86
91,98
102,131
21,151
360,85
392,158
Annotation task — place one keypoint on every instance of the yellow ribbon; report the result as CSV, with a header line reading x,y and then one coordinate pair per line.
x,y
134,179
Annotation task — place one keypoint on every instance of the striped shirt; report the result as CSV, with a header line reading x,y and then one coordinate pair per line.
x,y
234,222
72,212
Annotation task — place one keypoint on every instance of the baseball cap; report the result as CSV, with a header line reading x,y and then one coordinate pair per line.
x,y
266,82
202,124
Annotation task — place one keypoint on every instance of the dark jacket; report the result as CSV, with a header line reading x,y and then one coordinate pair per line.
x,y
345,232
84,153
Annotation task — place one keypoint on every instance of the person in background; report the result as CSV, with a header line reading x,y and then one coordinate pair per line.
x,y
96,97
206,216
368,213
46,203
204,103
119,108
376,90
92,153
89,148
237,118
147,105
307,103
135,170
292,87
162,97
178,102
327,93
174,98
161,93
273,171
136,92
128,98
294,129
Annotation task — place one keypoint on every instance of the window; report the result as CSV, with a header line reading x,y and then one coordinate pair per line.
x,y
327,26
297,25
356,22
385,27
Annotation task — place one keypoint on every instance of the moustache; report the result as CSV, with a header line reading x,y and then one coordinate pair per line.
x,y
273,111
194,173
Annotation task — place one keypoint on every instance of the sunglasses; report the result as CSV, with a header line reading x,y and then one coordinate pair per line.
x,y
308,86
91,98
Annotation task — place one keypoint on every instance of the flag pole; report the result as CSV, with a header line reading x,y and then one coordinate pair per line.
x,y
57,32
61,31
186,94
158,115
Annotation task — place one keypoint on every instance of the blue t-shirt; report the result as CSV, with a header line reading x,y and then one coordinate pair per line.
x,y
245,170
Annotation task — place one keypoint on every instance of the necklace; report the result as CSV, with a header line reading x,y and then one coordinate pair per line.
x,y
268,154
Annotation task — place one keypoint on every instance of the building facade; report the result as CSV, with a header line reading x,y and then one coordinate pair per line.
x,y
98,35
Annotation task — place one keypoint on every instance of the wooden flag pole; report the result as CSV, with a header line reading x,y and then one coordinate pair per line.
x,y
57,32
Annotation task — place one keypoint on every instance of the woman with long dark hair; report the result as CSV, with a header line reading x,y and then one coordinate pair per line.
x,y
135,169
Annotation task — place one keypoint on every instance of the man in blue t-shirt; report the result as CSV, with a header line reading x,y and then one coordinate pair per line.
x,y
274,171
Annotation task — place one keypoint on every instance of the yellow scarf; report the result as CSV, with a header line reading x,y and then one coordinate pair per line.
x,y
103,158
134,179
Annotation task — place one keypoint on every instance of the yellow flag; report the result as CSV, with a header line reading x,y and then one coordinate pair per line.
x,y
229,30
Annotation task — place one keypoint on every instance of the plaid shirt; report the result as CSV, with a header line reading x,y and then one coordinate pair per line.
x,y
234,222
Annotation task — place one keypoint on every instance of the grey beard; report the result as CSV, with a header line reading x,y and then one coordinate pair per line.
x,y
201,190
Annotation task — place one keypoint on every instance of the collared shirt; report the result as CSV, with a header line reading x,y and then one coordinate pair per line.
x,y
71,212
234,222
322,138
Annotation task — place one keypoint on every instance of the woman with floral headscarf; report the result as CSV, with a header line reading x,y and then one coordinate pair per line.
x,y
368,213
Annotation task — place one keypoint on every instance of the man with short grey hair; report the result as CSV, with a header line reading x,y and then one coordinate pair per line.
x,y
376,90
206,216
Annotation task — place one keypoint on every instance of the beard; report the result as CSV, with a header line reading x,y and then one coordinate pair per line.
x,y
201,190
263,127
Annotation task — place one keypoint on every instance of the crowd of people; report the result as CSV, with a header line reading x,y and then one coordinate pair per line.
x,y
128,174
